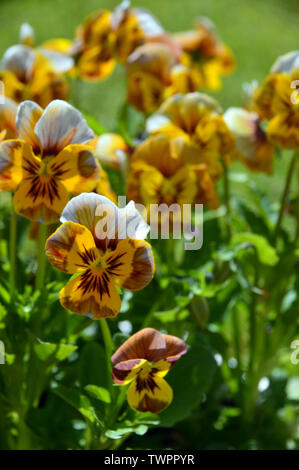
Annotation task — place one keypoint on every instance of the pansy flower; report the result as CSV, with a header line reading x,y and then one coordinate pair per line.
x,y
104,246
163,172
154,73
197,119
252,145
49,161
32,74
148,71
94,54
276,101
132,28
206,54
8,112
111,150
143,361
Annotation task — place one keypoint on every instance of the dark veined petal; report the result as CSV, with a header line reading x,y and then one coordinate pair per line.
x,y
71,248
131,264
40,198
91,293
124,372
77,167
152,395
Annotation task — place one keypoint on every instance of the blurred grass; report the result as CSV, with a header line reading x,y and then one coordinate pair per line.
x,y
257,31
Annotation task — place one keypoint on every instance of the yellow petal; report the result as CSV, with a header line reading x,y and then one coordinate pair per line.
x,y
91,293
154,395
11,157
71,248
40,198
131,264
77,168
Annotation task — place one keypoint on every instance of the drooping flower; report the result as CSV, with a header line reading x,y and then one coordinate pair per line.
x,y
164,171
276,101
206,54
148,71
252,145
197,119
34,74
143,361
8,112
93,47
111,150
154,73
104,245
133,27
49,161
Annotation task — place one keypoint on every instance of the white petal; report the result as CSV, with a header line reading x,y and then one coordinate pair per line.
x,y
19,59
26,34
60,125
61,63
8,112
156,122
148,23
286,63
136,227
240,121
27,116
83,209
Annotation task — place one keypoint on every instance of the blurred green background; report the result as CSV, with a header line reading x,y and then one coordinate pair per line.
x,y
257,31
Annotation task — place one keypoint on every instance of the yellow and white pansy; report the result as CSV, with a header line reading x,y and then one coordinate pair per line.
x,y
196,118
252,145
34,74
104,246
49,160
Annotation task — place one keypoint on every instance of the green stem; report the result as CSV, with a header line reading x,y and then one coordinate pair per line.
x,y
41,257
13,251
284,196
256,346
227,197
108,346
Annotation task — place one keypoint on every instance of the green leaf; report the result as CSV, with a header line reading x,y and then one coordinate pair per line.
x,y
78,401
190,378
60,351
266,253
100,393
93,366
94,124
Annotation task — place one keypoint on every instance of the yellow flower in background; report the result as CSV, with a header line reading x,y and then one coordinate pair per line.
x,y
111,151
32,74
163,171
143,361
48,161
132,28
276,101
206,54
94,55
154,73
104,246
252,145
197,119
8,112
148,71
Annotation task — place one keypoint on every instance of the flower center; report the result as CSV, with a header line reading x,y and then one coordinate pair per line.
x,y
44,168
